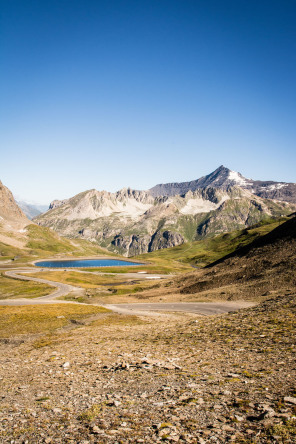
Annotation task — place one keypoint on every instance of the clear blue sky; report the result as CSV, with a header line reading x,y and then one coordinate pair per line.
x,y
107,94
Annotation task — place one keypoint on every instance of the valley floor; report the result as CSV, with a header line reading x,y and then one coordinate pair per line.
x,y
112,378
79,373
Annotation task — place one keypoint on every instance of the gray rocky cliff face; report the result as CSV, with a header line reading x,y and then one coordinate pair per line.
x,y
139,196
165,239
134,245
57,203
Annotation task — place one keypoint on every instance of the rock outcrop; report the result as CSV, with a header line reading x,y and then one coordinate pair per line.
x,y
135,244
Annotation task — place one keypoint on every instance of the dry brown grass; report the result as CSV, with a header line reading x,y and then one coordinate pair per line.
x,y
78,279
36,319
15,288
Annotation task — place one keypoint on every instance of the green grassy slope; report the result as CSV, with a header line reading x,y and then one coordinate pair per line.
x,y
42,242
203,252
9,252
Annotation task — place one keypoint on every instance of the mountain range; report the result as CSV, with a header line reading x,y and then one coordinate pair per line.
x,y
223,177
132,222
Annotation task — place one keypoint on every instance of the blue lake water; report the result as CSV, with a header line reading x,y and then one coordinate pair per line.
x,y
77,263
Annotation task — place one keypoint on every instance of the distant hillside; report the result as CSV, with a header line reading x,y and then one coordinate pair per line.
x,y
21,238
258,270
31,210
133,222
208,250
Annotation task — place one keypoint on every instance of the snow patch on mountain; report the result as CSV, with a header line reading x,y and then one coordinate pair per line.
x,y
276,186
237,178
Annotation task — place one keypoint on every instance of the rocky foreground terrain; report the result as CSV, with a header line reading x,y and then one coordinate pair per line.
x,y
174,378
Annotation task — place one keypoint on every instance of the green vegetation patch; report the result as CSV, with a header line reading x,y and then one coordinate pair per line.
x,y
15,288
9,252
44,242
44,239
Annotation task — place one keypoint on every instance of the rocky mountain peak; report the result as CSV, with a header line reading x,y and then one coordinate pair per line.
x,y
223,178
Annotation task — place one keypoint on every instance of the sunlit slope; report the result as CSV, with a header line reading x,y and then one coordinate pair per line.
x,y
203,252
43,242
264,267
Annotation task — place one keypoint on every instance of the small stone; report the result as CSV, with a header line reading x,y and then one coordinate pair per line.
x,y
290,399
169,367
97,430
165,431
250,431
112,432
66,365
283,415
226,392
227,428
239,418
269,413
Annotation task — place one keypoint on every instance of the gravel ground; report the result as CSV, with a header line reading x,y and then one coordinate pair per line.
x,y
179,378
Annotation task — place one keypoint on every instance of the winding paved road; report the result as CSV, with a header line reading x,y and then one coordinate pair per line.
x,y
140,309
61,289
202,308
